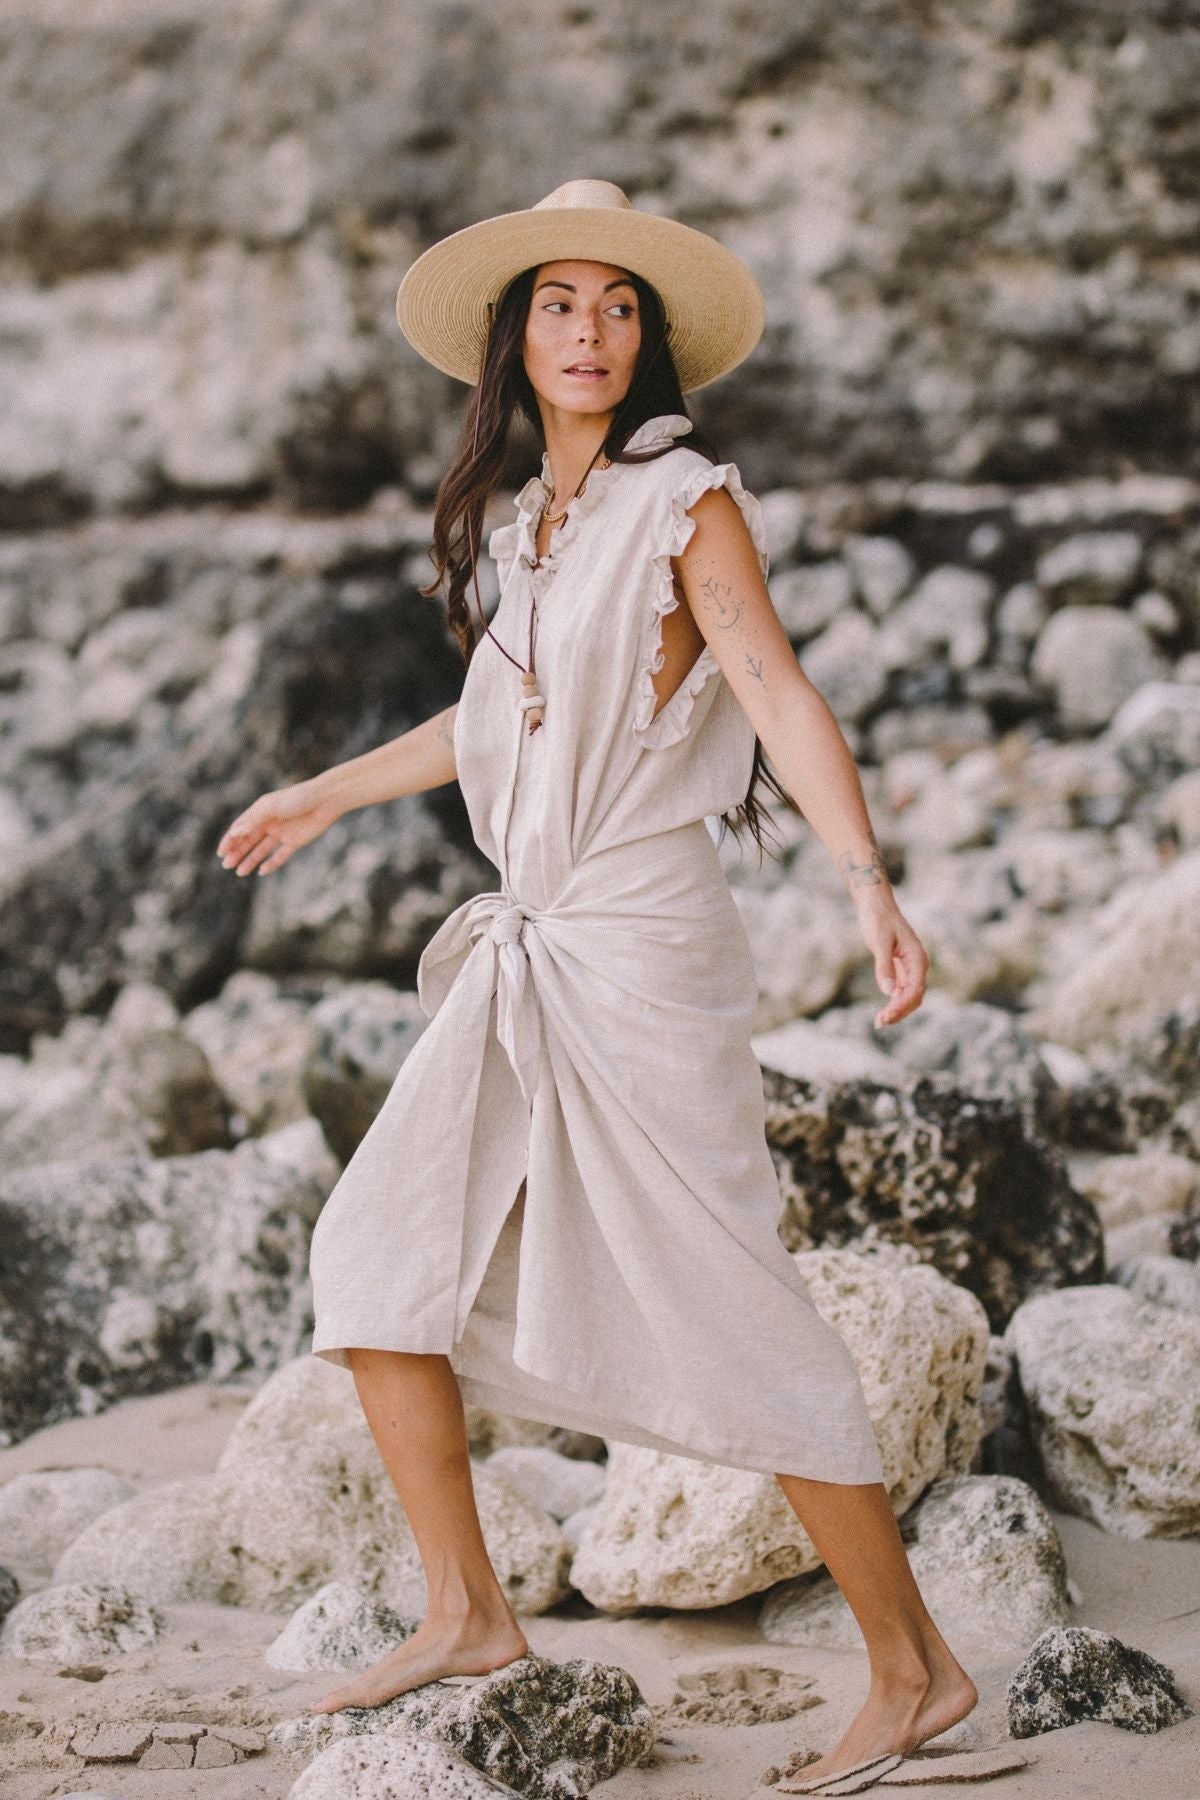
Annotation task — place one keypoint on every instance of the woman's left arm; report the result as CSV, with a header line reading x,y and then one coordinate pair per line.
x,y
722,581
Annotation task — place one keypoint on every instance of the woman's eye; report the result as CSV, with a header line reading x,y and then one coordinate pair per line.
x,y
627,305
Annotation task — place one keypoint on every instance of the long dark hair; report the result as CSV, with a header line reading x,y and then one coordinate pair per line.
x,y
504,388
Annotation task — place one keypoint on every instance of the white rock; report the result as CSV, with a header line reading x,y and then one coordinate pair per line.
x,y
392,1766
1166,1280
672,1531
1095,566
1094,658
41,1512
1138,1185
1110,1383
78,1623
1126,970
560,1485
846,665
301,1498
987,1560
339,1628
882,568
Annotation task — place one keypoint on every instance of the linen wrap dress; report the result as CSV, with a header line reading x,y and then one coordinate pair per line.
x,y
568,1189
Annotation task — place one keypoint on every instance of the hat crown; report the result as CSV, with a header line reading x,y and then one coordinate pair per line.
x,y
585,193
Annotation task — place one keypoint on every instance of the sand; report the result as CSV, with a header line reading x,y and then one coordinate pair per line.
x,y
209,1666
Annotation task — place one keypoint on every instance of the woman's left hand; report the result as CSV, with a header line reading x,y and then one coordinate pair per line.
x,y
900,959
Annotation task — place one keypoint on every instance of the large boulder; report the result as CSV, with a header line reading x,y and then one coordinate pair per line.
x,y
79,1622
131,1085
959,1179
1122,975
42,1511
1111,1385
672,1531
985,1555
289,1510
130,1275
549,1730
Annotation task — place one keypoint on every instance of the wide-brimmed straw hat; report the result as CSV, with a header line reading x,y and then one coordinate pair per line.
x,y
713,304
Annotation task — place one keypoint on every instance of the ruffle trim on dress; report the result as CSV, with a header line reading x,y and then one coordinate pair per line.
x,y
507,542
660,730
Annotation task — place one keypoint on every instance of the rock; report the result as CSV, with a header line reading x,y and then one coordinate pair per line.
x,y
10,1592
1124,975
131,1275
986,1557
113,1743
551,1730
121,883
1093,658
785,513
40,1513
366,896
920,726
671,1531
1091,567
393,1767
1136,1186
811,597
1156,732
281,1516
945,616
78,1622
1166,1280
1110,1385
339,1628
958,1179
258,1040
845,664
806,1052
883,570
360,1037
161,1744
111,1089
560,1485
803,947
983,1049
1073,1673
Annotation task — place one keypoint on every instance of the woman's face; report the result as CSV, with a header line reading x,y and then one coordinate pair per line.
x,y
582,312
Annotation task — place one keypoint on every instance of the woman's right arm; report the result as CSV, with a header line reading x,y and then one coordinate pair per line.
x,y
282,821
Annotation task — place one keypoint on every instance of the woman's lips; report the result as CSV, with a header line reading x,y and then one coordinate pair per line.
x,y
586,374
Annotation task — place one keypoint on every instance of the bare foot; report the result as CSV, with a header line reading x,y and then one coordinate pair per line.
x,y
473,1645
901,1717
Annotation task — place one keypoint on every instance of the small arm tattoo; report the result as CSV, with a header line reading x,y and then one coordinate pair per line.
x,y
445,730
754,666
727,610
871,873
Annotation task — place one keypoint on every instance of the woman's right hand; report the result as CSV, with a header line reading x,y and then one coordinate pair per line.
x,y
276,824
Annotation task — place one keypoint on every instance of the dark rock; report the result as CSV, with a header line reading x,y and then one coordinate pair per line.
x,y
361,1039
10,1592
549,1730
1073,1673
130,1275
958,1177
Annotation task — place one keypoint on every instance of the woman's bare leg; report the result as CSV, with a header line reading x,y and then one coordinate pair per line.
x,y
917,1687
414,1409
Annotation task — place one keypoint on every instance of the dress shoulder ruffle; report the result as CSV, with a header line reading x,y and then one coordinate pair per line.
x,y
674,532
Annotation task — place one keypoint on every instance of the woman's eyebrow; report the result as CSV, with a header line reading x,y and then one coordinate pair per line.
x,y
619,282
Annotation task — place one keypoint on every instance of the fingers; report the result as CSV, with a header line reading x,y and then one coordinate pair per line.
x,y
908,966
254,858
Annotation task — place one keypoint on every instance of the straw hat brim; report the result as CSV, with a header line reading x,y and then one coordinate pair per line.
x,y
712,302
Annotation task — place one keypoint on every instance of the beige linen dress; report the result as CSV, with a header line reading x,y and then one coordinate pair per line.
x,y
568,1189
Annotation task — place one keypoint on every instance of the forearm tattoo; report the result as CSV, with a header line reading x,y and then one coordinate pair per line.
x,y
871,873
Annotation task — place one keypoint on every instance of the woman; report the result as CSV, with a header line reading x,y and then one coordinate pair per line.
x,y
589,1044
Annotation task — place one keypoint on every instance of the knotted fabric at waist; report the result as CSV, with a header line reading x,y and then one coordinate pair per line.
x,y
491,929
